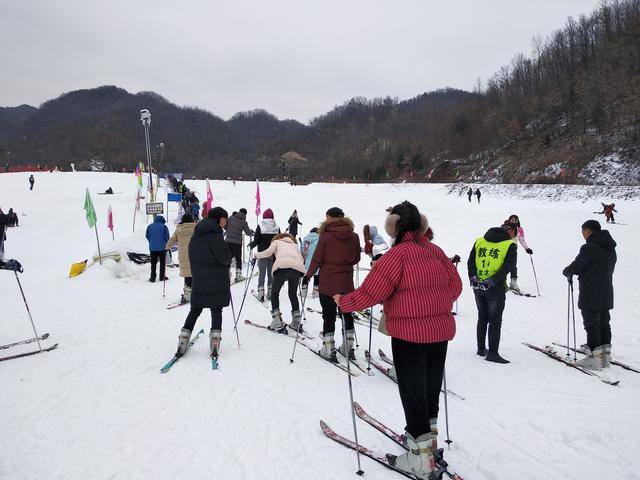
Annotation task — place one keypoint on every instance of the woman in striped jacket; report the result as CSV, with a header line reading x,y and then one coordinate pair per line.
x,y
418,285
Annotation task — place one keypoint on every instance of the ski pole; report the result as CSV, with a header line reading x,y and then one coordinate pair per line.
x,y
573,313
534,273
569,282
233,312
355,334
353,413
448,441
304,317
370,333
244,296
28,311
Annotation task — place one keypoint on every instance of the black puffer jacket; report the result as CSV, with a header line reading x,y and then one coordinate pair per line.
x,y
210,258
594,266
496,235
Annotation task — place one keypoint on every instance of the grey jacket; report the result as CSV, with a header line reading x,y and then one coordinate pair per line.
x,y
236,224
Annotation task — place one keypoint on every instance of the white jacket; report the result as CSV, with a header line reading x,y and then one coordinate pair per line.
x,y
287,255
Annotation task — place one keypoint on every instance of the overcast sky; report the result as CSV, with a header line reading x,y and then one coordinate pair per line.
x,y
294,58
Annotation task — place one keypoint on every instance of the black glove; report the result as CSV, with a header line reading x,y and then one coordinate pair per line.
x,y
529,251
455,259
12,265
253,262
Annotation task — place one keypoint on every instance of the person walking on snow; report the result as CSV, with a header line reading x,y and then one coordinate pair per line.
x,y
237,224
470,193
182,237
210,259
594,267
31,182
515,220
158,235
262,239
478,194
307,249
492,258
418,285
287,267
12,218
371,239
608,212
337,252
293,224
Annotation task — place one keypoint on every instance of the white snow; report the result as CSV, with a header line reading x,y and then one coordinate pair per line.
x,y
97,407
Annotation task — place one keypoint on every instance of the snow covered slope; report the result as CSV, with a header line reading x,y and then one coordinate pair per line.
x,y
98,407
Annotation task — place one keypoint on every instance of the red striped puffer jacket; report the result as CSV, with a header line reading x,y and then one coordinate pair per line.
x,y
417,284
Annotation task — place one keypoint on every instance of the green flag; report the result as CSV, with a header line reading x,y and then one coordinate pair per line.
x,y
91,212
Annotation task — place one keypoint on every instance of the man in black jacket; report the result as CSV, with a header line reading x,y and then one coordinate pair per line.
x,y
594,266
210,259
492,257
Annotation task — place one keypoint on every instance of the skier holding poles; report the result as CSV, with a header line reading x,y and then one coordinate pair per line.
x,y
418,285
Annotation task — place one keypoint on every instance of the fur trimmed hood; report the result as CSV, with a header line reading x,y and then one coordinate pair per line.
x,y
336,224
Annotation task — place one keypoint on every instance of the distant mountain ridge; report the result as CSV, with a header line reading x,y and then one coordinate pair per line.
x,y
568,114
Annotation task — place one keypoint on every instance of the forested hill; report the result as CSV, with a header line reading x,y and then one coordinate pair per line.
x,y
570,112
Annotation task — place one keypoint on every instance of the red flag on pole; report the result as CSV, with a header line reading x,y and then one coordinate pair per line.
x,y
110,221
257,199
209,196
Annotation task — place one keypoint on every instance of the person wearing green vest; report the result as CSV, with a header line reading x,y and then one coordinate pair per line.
x,y
492,258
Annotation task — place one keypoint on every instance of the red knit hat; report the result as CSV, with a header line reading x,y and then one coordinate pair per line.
x,y
268,213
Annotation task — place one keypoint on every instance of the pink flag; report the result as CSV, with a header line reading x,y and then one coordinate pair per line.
x,y
110,219
257,199
209,196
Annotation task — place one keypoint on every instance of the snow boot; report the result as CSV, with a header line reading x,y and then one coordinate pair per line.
x,y
183,342
593,360
328,350
496,358
261,294
215,337
269,292
297,320
276,323
239,276
419,459
315,293
606,356
347,345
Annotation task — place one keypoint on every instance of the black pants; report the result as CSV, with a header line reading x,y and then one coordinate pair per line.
x,y
155,256
31,186
490,308
329,312
419,368
236,253
188,281
194,313
598,328
279,277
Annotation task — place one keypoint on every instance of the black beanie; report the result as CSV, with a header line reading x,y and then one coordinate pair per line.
x,y
243,211
592,225
335,212
216,213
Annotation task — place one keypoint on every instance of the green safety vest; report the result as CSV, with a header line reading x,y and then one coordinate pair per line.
x,y
490,257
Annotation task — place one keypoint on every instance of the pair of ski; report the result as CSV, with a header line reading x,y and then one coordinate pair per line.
x,y
172,362
289,332
387,371
613,362
25,342
551,353
520,293
381,458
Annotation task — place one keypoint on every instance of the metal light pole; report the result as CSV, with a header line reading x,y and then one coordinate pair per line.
x,y
145,118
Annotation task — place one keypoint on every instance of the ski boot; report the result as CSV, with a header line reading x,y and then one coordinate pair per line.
x,y
276,323
328,350
593,360
606,356
295,324
438,453
183,342
186,295
239,276
346,348
419,459
261,293
215,337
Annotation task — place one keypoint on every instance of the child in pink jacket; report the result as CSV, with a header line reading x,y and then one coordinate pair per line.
x,y
287,267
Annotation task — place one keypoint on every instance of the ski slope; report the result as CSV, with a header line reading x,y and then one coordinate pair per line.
x,y
97,407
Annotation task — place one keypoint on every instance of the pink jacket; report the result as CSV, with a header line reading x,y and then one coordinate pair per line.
x,y
287,255
417,284
523,242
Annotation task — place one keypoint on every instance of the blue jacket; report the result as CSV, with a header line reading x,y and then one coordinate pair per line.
x,y
195,210
309,244
157,234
